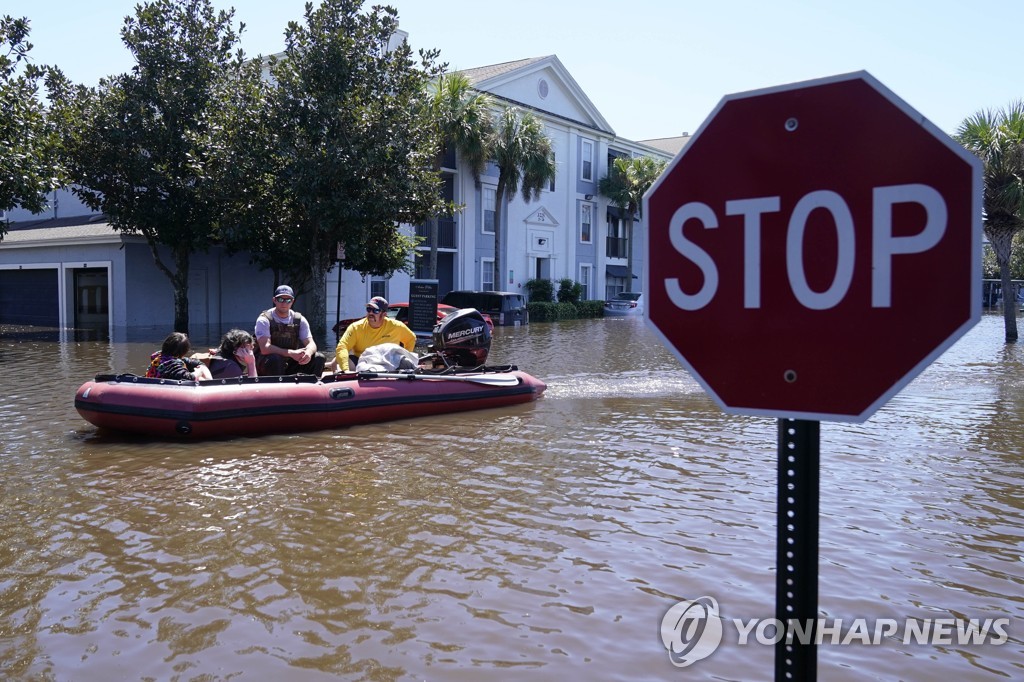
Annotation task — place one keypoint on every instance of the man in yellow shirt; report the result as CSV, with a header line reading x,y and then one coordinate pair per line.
x,y
374,329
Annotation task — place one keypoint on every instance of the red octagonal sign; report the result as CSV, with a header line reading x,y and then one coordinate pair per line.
x,y
813,248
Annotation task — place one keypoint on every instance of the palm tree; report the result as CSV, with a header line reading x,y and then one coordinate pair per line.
x,y
522,153
997,138
625,185
462,119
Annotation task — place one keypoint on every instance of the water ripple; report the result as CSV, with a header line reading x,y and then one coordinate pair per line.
x,y
541,541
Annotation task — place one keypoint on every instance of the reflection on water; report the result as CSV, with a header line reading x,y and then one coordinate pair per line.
x,y
542,541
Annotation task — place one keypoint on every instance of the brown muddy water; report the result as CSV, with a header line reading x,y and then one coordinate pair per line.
x,y
539,542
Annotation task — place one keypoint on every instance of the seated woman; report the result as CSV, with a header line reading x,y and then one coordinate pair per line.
x,y
235,357
170,362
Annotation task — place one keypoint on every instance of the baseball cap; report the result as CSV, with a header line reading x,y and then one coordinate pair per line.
x,y
284,290
378,303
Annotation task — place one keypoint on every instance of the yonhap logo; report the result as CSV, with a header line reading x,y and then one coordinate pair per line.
x,y
691,631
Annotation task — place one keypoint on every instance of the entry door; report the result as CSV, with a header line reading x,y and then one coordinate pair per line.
x,y
543,268
91,296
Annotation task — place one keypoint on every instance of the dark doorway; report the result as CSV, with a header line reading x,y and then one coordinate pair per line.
x,y
92,289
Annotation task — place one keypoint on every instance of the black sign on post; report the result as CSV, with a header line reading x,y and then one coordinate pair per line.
x,y
796,548
422,305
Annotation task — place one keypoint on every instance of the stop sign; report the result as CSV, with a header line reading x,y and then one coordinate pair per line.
x,y
813,248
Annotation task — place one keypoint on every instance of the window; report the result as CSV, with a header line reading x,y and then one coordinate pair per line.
x,y
551,183
586,222
378,287
613,287
615,242
612,155
487,274
587,161
585,273
487,206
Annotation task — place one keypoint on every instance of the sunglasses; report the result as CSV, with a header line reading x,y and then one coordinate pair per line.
x,y
284,299
373,312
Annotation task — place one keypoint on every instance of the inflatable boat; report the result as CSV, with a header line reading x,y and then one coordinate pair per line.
x,y
452,378
243,406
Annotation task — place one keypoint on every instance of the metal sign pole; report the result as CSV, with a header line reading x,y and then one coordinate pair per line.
x,y
796,549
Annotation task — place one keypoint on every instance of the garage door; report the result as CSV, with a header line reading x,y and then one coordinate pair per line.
x,y
29,297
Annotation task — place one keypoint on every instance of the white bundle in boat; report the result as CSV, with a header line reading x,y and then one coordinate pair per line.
x,y
386,357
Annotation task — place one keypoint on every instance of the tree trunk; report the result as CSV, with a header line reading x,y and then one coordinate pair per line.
x,y
182,260
1001,237
434,235
179,282
499,199
629,255
315,308
181,306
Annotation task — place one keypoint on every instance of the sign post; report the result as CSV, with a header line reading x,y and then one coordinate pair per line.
x,y
796,544
812,249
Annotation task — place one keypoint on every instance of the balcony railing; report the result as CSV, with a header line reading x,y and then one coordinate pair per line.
x,y
447,157
617,247
445,233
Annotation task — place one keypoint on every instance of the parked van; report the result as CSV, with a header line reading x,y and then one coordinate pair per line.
x,y
504,307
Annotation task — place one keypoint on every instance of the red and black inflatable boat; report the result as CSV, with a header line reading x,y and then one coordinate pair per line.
x,y
279,404
453,378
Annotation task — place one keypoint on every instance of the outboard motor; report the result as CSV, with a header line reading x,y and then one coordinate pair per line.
x,y
462,338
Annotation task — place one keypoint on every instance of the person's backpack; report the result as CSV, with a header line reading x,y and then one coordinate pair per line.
x,y
154,363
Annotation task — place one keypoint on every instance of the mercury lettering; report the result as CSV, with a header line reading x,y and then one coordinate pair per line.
x,y
465,332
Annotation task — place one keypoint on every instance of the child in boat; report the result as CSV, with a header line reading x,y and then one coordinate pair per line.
x,y
234,357
170,362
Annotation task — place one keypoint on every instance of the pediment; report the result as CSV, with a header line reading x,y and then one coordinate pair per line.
x,y
541,217
541,83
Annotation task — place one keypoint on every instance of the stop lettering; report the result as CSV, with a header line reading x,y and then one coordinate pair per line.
x,y
884,244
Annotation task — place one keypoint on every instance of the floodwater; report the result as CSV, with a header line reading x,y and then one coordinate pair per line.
x,y
539,542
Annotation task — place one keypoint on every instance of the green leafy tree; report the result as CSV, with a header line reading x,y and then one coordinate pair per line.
x,y
139,145
347,151
997,138
28,142
462,120
990,266
627,181
522,153
569,291
245,163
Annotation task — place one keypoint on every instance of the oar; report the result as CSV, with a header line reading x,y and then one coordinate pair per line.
x,y
486,379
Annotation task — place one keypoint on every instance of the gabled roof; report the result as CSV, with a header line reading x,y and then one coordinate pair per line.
x,y
87,229
66,221
484,73
514,82
669,145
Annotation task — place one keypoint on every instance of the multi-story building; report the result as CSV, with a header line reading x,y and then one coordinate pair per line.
x,y
571,231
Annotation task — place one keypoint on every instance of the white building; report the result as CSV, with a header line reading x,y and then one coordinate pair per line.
x,y
570,231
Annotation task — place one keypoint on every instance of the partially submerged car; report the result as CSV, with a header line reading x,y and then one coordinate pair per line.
x,y
625,304
506,308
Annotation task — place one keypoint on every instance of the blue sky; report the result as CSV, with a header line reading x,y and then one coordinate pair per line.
x,y
653,68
